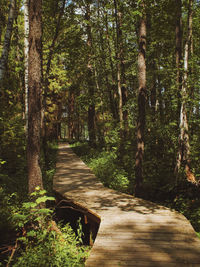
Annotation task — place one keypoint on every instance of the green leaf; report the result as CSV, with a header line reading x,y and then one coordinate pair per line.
x,y
31,233
42,192
41,199
18,216
45,211
29,205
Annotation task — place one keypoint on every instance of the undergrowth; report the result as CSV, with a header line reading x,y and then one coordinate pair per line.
x,y
106,166
40,242
29,236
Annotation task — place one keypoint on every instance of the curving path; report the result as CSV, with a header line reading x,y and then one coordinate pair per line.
x,y
132,232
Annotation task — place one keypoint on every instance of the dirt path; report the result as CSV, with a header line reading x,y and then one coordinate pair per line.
x,y
132,232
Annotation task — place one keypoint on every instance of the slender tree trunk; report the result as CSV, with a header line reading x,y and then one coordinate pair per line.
x,y
141,104
6,45
122,92
71,122
178,52
103,73
179,77
191,65
153,96
112,91
183,156
160,100
35,94
178,44
26,49
90,80
46,81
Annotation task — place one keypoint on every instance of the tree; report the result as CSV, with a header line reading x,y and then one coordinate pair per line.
x,y
122,92
112,89
26,48
71,120
6,46
90,78
184,145
51,49
35,94
141,103
179,44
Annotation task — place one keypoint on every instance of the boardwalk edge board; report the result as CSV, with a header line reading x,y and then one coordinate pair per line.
x,y
132,231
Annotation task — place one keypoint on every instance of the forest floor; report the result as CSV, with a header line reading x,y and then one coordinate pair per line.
x,y
24,241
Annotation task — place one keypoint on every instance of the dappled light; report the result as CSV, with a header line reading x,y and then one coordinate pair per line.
x,y
119,81
133,231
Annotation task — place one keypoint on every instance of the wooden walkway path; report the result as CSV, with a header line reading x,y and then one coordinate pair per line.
x,y
132,232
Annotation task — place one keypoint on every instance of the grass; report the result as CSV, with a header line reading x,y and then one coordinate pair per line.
x,y
105,165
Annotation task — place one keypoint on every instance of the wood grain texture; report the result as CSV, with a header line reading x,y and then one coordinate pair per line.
x,y
132,232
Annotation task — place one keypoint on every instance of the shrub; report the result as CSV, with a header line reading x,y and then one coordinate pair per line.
x,y
41,243
105,166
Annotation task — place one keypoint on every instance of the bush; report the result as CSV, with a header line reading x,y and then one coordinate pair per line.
x,y
41,243
105,166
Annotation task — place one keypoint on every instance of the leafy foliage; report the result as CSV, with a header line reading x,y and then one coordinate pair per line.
x,y
113,159
40,244
105,166
21,220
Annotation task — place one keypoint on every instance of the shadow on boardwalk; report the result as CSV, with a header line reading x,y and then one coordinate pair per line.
x,y
133,232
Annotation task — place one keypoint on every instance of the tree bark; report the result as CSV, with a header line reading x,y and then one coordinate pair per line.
x,y
8,34
153,90
183,156
122,92
112,91
46,80
141,104
90,80
178,44
71,110
35,94
26,49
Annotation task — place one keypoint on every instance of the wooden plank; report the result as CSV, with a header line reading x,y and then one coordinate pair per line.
x,y
137,254
133,232
140,263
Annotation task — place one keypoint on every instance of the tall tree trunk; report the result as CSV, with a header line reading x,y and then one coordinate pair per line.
x,y
160,99
122,92
90,80
26,48
178,74
191,65
178,44
46,81
178,51
35,94
141,104
71,122
183,156
6,45
112,91
153,90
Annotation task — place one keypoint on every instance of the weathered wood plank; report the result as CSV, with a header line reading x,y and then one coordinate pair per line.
x,y
132,232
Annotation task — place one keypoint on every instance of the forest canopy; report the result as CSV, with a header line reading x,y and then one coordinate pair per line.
x,y
120,77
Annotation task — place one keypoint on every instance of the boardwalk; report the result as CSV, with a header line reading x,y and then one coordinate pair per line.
x,y
132,232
